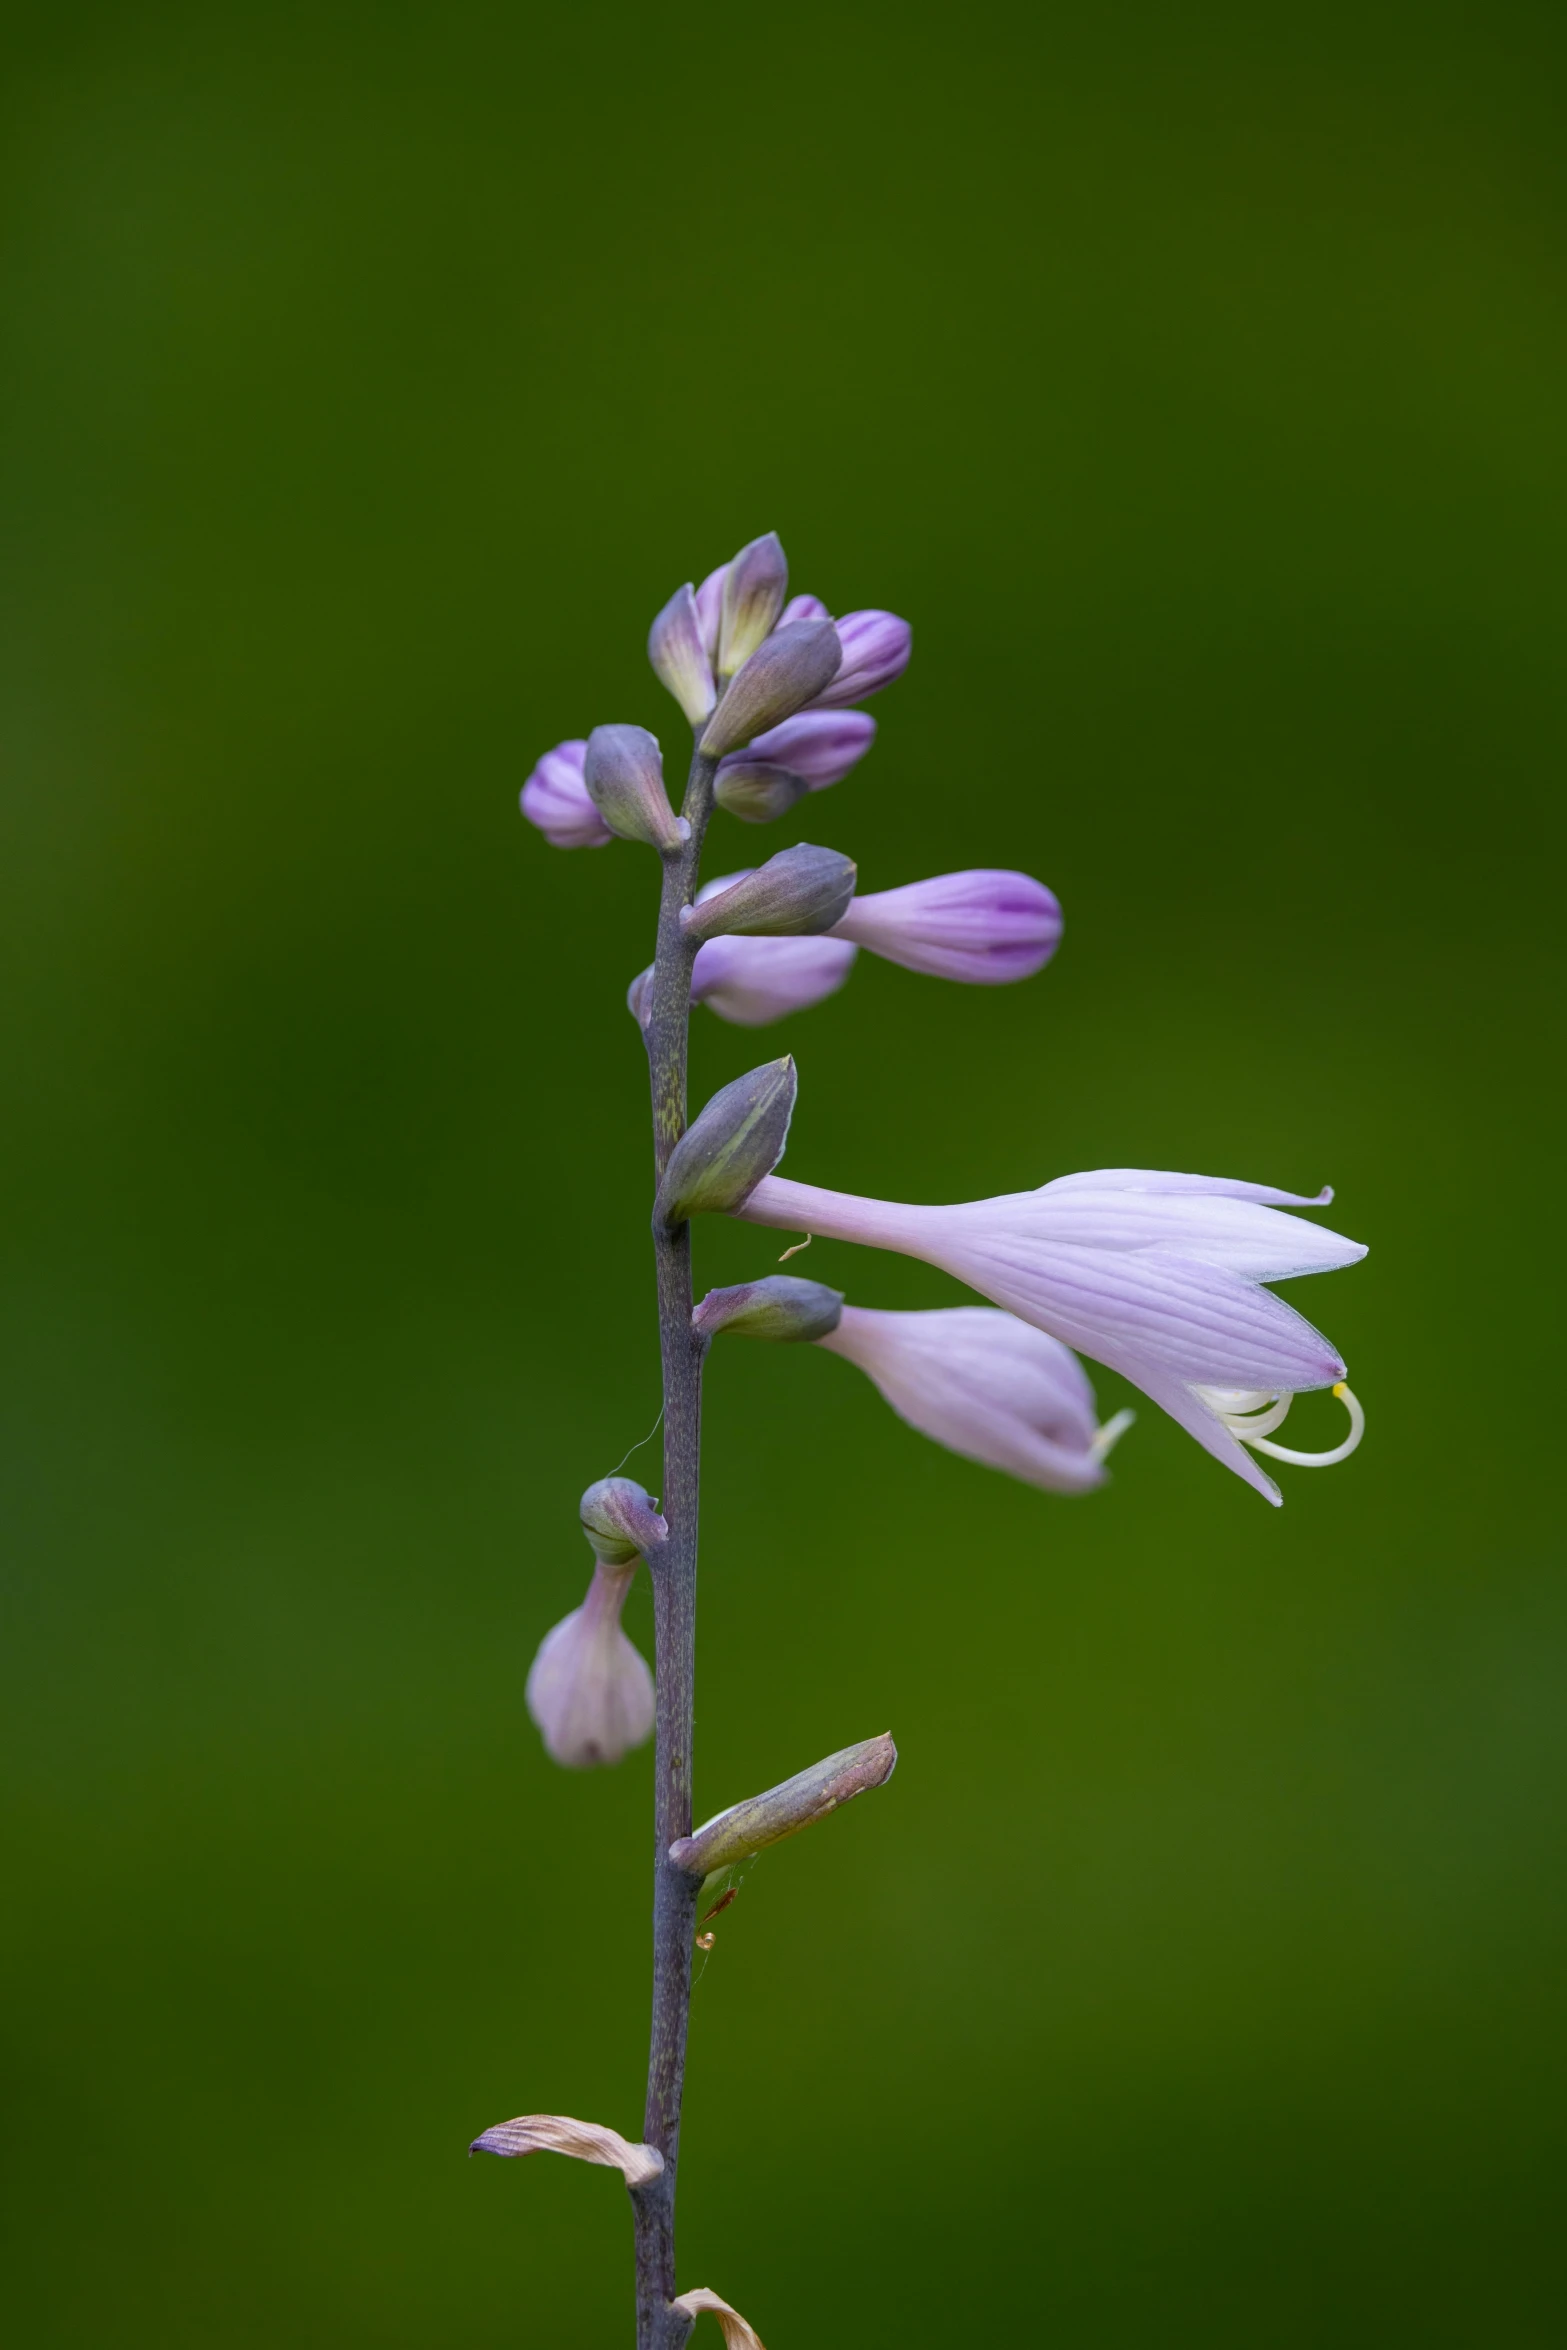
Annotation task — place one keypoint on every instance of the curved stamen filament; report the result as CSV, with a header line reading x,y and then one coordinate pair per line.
x,y
1110,1434
1313,1460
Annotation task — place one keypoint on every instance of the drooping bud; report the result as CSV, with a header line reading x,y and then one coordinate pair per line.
x,y
755,585
876,649
555,798
726,1150
753,981
767,1819
756,791
737,2334
799,893
820,746
792,667
557,2133
620,1521
589,1690
624,773
778,1307
679,657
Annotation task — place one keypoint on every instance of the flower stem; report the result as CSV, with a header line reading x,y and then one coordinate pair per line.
x,y
674,1596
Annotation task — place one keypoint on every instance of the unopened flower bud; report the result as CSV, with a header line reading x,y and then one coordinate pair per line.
x,y
737,2334
753,981
747,1828
803,608
756,791
985,927
790,668
620,1521
799,893
679,657
735,1140
710,609
875,650
820,746
558,2133
555,798
755,585
589,1690
624,773
778,1307
639,997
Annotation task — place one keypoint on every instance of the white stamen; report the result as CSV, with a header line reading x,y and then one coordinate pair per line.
x,y
1110,1434
1316,1460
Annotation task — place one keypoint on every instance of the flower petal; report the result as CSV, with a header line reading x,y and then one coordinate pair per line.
x,y
737,2334
557,2133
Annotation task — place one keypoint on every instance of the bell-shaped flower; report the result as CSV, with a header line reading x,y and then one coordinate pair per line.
x,y
984,927
985,1385
876,647
555,798
590,1691
1159,1276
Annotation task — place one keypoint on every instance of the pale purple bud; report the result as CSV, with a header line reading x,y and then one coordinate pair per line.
x,y
875,651
747,1828
590,1691
983,926
755,584
800,892
782,675
820,746
1159,1276
624,772
753,981
736,1139
803,608
555,798
620,1521
755,791
710,609
679,657
985,1385
779,1306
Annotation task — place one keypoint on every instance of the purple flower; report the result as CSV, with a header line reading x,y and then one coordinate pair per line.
x,y
680,661
1157,1275
875,651
555,798
803,608
985,1385
710,609
820,746
589,1690
751,987
982,926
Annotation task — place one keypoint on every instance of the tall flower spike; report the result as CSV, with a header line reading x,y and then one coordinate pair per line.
x,y
1159,1276
558,2133
623,769
755,585
737,2334
555,798
589,1690
679,656
876,648
784,673
984,927
987,1386
736,1139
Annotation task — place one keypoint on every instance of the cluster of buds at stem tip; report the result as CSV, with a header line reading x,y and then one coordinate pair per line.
x,y
589,1689
736,1139
748,1828
779,1306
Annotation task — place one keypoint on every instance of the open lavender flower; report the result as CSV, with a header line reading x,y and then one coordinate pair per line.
x,y
985,1385
555,798
589,1690
1159,1276
984,927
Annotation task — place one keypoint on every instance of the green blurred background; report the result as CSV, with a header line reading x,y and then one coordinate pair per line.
x,y
1194,380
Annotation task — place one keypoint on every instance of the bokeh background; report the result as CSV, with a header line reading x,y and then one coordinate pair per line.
x,y
1194,380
